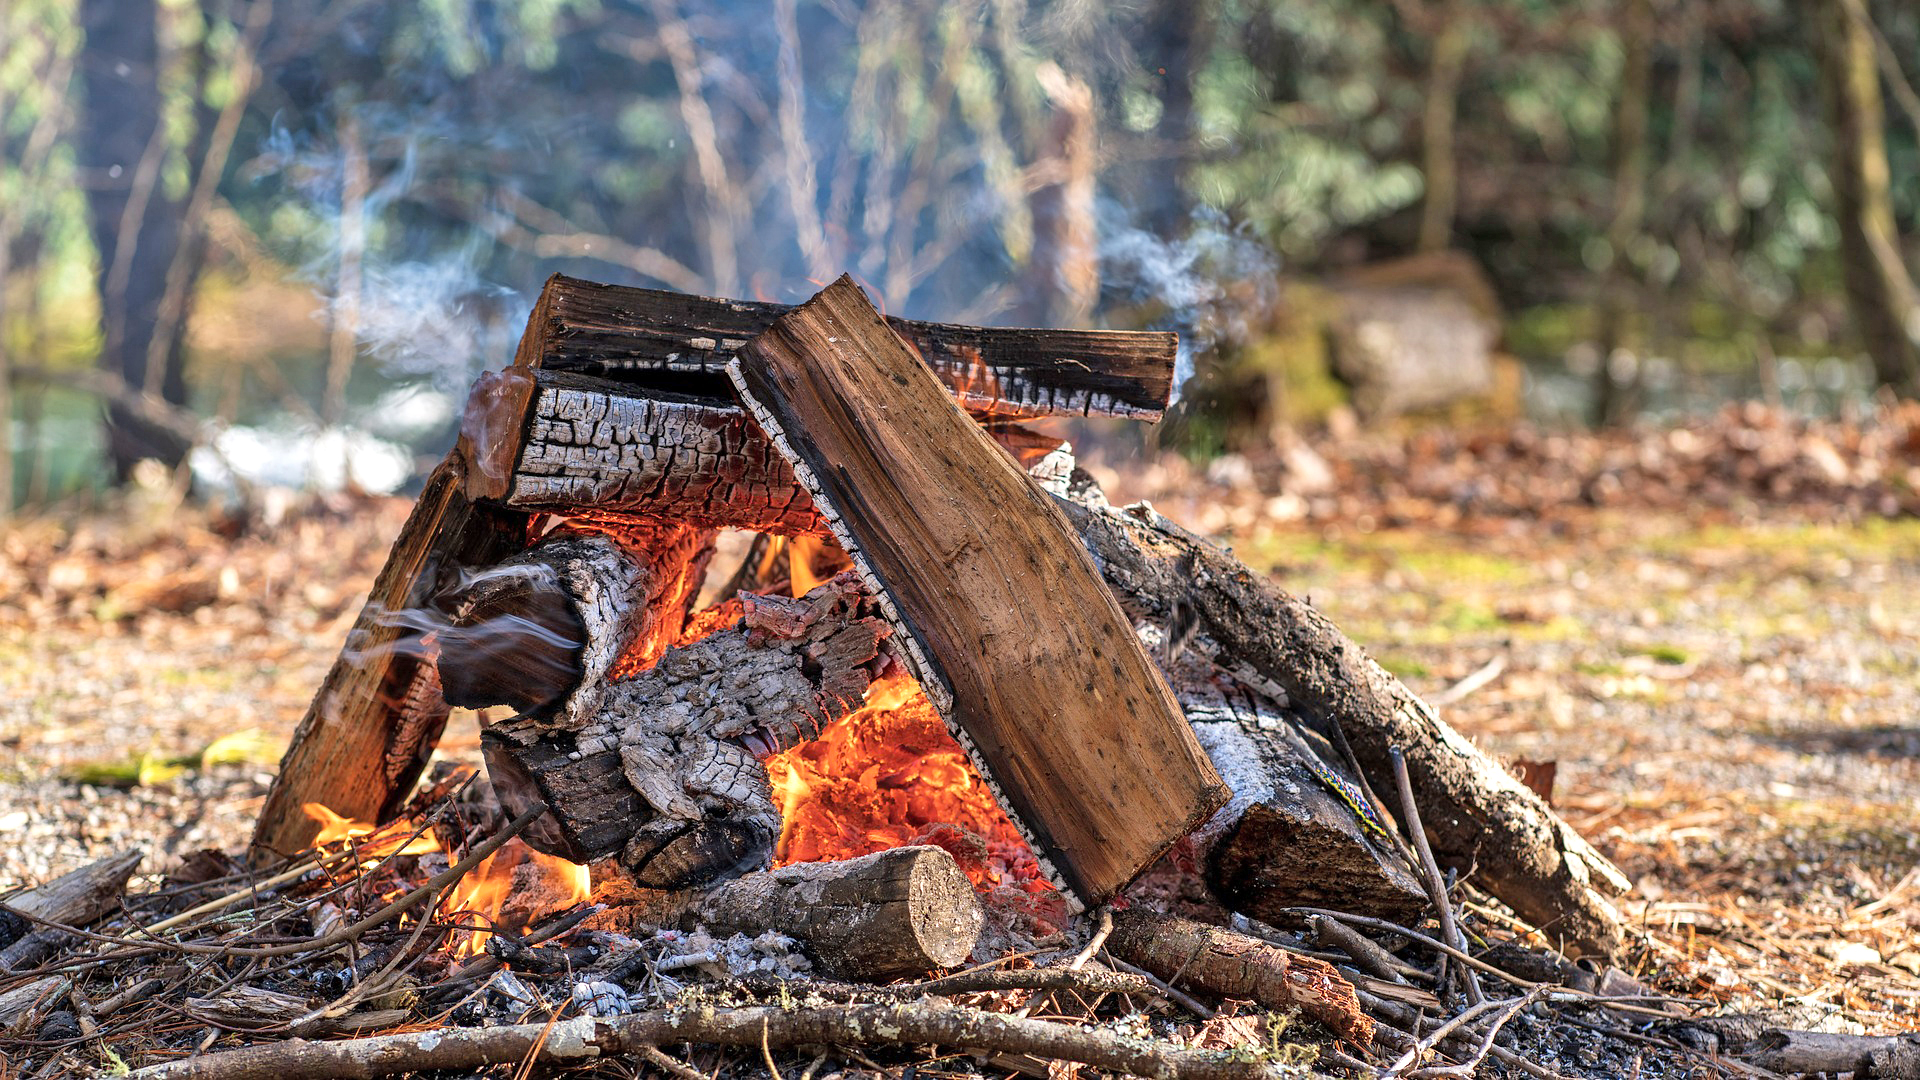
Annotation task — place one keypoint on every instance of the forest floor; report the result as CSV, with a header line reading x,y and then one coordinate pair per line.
x,y
1732,700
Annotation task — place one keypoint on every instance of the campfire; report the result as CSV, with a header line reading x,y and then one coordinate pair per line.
x,y
943,710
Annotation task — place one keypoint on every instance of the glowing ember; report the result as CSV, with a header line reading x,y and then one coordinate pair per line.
x,y
890,775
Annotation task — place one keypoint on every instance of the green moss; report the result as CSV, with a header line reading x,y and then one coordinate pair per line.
x,y
1666,654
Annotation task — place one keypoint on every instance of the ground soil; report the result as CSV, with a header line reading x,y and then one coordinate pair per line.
x,y
1732,700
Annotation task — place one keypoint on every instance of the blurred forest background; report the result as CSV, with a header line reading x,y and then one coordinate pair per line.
x,y
268,242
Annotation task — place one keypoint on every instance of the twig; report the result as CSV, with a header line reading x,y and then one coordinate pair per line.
x,y
1067,978
1178,997
1473,683
1093,945
1466,1069
588,1038
1436,885
672,1065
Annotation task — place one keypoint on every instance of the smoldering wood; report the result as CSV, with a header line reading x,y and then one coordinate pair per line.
x,y
581,442
891,914
78,898
378,714
666,774
649,335
1228,964
1477,816
1032,664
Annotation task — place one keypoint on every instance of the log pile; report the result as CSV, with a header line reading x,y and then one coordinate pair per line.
x,y
1131,697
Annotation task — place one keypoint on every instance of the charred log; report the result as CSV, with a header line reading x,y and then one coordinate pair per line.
x,y
666,772
670,339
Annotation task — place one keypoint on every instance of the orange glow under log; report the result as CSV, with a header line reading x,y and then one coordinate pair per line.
x,y
889,775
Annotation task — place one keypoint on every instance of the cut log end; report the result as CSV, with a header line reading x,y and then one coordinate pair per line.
x,y
893,913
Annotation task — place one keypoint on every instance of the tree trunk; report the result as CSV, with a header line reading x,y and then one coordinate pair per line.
x,y
136,227
1617,387
1880,291
1448,63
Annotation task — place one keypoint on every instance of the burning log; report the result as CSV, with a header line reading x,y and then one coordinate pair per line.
x,y
998,609
543,631
893,913
666,774
671,339
1476,814
378,715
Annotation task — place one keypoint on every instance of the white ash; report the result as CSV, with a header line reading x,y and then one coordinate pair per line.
x,y
507,986
596,998
771,953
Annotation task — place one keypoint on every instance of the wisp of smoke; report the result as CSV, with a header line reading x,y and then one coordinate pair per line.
x,y
1212,286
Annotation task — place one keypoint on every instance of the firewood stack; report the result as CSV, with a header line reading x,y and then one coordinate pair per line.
x,y
1123,686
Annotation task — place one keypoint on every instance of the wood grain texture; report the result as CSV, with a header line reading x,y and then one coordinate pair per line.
x,y
372,726
1029,659
628,333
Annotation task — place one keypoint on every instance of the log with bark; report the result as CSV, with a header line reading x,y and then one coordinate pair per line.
x,y
672,340
1476,815
1002,618
893,913
1228,964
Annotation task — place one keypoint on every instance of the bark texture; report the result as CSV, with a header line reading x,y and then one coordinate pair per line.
x,y
881,916
1477,816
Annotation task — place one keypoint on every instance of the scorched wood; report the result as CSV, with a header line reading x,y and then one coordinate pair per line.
x,y
666,773
1006,625
645,334
378,714
562,443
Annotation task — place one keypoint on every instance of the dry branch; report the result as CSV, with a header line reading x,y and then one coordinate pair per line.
x,y
1477,816
590,1039
1227,964
78,898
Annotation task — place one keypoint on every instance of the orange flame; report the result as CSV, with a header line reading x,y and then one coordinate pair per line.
x,y
370,840
889,775
800,573
514,886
